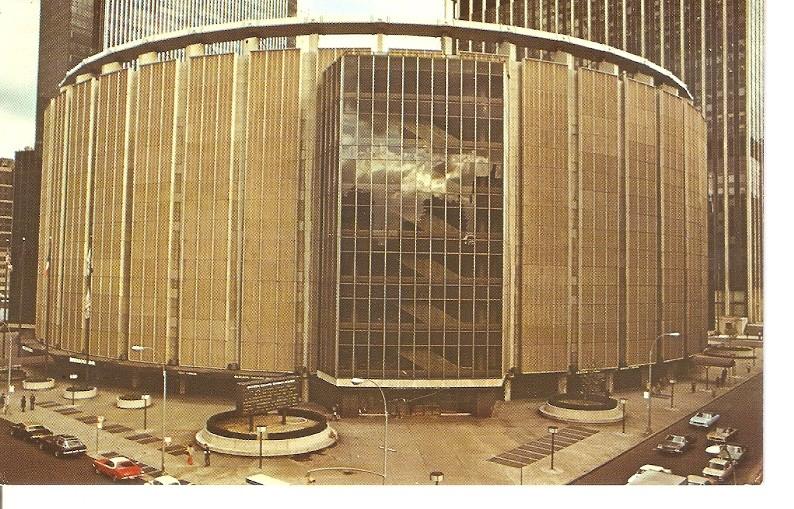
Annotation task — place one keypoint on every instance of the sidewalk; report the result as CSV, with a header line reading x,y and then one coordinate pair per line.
x,y
461,447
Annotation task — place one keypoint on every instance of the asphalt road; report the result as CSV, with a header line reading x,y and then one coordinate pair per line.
x,y
741,408
22,462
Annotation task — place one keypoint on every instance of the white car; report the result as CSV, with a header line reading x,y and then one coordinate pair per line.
x,y
647,468
164,480
719,469
727,451
704,419
697,480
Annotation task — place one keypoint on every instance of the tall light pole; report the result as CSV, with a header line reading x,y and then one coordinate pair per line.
x,y
99,420
145,398
672,391
139,348
553,430
623,416
656,340
73,377
21,293
647,396
360,381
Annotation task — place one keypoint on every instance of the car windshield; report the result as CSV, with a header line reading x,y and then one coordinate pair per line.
x,y
71,443
127,463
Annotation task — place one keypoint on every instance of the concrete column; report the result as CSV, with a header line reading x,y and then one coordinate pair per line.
x,y
250,44
508,388
82,78
610,381
194,50
110,68
380,43
135,380
147,58
182,381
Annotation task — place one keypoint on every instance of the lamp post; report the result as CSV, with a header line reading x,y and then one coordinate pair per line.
x,y
553,430
360,381
656,340
73,377
21,293
436,477
262,431
145,398
139,348
623,412
672,391
99,420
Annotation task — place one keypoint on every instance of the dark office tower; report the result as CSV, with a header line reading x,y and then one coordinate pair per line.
x,y
24,253
66,36
716,47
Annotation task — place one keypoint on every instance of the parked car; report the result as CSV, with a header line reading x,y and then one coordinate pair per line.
x,y
719,469
721,435
164,480
29,431
62,445
704,419
118,468
675,444
727,451
698,480
648,468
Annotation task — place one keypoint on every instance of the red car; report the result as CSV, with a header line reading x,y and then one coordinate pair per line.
x,y
118,468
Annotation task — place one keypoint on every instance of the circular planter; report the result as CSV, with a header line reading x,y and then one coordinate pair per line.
x,y
732,352
573,408
132,401
38,384
79,393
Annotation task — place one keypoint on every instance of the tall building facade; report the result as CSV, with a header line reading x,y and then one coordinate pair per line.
x,y
6,211
421,218
716,47
24,236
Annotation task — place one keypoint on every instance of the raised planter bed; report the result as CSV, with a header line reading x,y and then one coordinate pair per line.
x,y
576,409
132,401
79,392
38,384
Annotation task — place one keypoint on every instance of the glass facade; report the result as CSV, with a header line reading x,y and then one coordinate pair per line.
x,y
414,234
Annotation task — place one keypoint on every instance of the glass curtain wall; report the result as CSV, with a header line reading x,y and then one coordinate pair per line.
x,y
419,217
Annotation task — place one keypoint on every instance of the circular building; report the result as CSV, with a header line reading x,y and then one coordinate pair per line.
x,y
423,219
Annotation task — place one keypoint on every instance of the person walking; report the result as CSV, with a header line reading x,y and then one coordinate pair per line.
x,y
3,403
206,455
23,402
32,402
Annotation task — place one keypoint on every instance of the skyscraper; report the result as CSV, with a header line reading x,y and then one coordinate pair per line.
x,y
716,47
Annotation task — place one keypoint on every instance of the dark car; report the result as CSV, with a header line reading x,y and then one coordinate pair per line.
x,y
29,431
675,444
62,445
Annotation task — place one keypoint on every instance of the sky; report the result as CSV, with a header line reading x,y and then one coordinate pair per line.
x,y
19,29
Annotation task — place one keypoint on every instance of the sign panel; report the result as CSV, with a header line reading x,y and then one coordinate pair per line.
x,y
268,394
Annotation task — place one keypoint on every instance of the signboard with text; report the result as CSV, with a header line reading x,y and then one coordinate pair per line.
x,y
260,396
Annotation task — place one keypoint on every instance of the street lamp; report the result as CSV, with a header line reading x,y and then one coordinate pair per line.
x,y
139,348
360,381
436,477
262,431
623,417
73,377
99,420
650,371
672,391
553,430
647,396
145,398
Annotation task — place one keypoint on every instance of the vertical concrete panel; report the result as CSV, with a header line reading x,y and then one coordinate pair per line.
x,y
76,194
151,149
108,214
270,213
697,300
599,113
204,306
641,215
543,215
671,125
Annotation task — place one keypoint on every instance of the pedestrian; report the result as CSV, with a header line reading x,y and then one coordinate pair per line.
x,y
23,403
694,386
190,456
724,376
335,412
3,402
206,455
32,401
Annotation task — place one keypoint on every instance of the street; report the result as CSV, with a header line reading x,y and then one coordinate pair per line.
x,y
22,462
740,408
